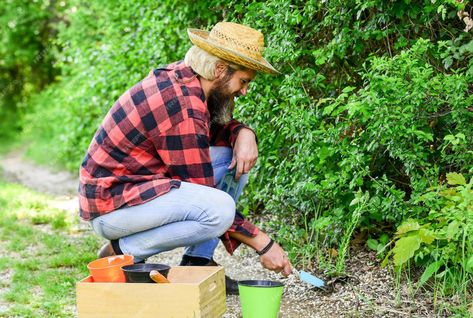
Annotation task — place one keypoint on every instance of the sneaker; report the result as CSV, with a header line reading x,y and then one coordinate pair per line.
x,y
106,250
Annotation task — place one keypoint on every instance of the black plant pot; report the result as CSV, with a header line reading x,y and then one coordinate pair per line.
x,y
139,273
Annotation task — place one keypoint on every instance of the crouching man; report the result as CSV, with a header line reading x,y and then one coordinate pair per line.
x,y
152,177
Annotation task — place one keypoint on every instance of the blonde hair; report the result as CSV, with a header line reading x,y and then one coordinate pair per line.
x,y
204,63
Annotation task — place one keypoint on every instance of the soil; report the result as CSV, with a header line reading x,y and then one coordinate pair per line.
x,y
367,291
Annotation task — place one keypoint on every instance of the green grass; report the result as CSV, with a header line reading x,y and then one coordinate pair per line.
x,y
43,255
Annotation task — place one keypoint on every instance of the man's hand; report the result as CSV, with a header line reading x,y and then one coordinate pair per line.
x,y
276,260
245,152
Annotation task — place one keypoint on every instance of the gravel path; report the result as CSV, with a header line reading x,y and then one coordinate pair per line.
x,y
369,291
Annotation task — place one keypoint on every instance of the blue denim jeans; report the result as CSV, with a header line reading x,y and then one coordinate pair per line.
x,y
193,216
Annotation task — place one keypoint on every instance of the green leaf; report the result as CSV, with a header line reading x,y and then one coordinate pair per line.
x,y
405,249
429,271
454,178
449,137
348,89
384,239
423,134
386,259
355,201
447,62
426,236
328,109
372,244
246,211
469,265
409,225
452,229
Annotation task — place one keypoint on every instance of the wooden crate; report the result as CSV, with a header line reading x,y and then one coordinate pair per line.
x,y
195,291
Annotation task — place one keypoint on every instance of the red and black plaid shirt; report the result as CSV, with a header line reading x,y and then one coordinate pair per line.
x,y
155,135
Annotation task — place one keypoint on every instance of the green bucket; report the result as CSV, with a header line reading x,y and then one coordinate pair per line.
x,y
260,298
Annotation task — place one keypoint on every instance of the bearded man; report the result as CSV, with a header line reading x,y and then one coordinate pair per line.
x,y
152,177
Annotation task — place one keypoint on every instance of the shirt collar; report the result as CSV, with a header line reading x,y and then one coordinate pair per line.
x,y
183,73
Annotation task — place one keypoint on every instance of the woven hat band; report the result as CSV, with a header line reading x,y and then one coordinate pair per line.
x,y
235,43
251,45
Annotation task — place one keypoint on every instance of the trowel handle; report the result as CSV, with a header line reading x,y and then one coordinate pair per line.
x,y
158,277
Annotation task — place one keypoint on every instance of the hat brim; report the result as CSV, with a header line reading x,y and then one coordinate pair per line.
x,y
200,39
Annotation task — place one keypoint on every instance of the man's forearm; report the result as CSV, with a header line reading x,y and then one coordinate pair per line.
x,y
257,243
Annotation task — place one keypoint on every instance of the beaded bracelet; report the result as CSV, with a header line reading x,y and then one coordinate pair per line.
x,y
266,248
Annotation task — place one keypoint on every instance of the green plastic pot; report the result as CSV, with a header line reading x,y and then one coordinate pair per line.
x,y
260,298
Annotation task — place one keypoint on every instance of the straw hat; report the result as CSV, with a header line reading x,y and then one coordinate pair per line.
x,y
235,43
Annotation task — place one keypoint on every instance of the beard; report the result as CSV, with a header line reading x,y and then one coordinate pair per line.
x,y
220,103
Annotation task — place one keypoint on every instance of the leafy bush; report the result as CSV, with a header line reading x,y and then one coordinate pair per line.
x,y
395,137
26,56
441,241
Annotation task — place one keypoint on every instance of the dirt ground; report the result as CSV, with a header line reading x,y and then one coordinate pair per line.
x,y
368,291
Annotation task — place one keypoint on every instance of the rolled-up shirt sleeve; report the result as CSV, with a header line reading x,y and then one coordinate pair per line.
x,y
240,225
226,135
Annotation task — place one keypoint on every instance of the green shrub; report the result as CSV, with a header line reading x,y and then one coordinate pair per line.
x,y
27,31
396,136
442,240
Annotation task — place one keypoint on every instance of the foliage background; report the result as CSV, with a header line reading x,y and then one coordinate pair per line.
x,y
372,112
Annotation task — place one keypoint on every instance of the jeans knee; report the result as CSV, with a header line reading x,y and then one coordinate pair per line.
x,y
224,211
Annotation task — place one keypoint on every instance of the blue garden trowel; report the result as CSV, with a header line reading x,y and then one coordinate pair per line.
x,y
229,184
311,279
